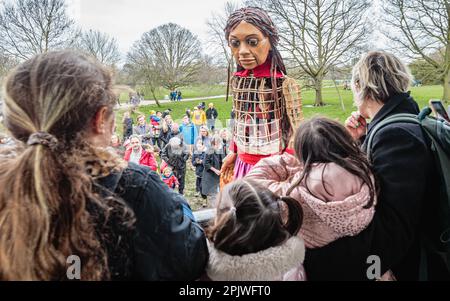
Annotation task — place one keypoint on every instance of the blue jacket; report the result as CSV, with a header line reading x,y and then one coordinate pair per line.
x,y
189,132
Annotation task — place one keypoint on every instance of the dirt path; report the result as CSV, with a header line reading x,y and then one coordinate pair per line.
x,y
152,102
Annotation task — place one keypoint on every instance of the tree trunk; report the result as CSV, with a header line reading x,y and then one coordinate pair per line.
x,y
155,98
339,94
318,87
446,97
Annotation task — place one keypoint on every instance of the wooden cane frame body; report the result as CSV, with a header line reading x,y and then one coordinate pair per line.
x,y
258,116
257,126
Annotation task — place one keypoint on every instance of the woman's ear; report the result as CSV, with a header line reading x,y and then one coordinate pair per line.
x,y
100,120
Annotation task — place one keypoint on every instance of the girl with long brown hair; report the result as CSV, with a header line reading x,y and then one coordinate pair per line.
x,y
65,194
330,176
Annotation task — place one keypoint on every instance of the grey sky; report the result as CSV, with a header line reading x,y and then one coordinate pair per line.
x,y
127,20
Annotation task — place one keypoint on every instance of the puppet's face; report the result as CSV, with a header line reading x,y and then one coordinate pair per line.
x,y
249,46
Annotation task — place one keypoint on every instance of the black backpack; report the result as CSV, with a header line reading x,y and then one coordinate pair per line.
x,y
435,239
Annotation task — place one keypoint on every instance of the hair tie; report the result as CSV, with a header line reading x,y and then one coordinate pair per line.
x,y
43,138
233,211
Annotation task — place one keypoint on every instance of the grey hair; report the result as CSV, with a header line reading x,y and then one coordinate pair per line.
x,y
378,75
175,142
135,136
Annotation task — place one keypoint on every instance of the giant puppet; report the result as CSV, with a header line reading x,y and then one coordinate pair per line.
x,y
267,104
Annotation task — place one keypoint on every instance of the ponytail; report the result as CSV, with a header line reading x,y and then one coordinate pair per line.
x,y
223,226
50,206
295,215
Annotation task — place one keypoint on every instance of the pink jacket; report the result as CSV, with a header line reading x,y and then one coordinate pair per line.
x,y
329,213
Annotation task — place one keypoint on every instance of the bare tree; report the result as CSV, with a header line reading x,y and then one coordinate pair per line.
x,y
171,51
211,73
336,73
6,64
421,29
101,46
319,34
142,68
216,35
29,27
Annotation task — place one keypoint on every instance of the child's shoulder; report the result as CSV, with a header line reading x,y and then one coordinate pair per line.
x,y
340,182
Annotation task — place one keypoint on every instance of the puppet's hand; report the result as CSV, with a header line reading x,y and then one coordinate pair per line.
x,y
228,162
227,170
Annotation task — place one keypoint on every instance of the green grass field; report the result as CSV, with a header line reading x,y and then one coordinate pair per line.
x,y
332,109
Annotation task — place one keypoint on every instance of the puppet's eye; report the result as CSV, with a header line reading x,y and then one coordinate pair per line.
x,y
234,43
253,42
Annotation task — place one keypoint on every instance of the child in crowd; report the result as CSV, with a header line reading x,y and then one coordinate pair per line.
x,y
254,236
155,122
169,178
198,159
151,150
211,173
331,178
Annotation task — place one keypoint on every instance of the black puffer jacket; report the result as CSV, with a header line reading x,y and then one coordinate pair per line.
x,y
167,244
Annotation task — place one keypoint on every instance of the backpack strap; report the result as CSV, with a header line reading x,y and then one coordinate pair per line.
x,y
397,118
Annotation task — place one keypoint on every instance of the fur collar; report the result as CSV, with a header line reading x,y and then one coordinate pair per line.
x,y
266,265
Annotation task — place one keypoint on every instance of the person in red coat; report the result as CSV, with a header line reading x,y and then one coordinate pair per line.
x,y
138,155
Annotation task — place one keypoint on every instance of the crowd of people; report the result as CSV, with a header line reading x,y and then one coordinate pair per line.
x,y
196,144
317,209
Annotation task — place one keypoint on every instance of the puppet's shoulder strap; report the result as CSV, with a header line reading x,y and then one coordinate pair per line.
x,y
293,101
